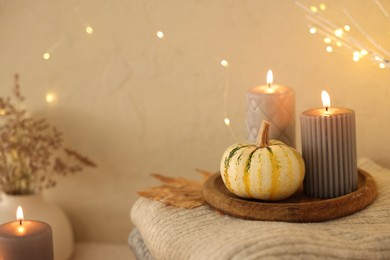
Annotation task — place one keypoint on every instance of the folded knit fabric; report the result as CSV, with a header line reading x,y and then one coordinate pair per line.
x,y
167,232
137,245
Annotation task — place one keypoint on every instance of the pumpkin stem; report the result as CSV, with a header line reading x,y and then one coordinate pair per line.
x,y
263,136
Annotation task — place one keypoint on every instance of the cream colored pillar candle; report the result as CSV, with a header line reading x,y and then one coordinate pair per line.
x,y
26,239
329,150
276,104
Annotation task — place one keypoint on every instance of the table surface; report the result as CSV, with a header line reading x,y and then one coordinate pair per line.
x,y
102,251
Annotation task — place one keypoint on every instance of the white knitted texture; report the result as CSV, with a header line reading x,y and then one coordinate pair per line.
x,y
202,233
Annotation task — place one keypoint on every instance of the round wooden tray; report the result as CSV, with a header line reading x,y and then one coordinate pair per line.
x,y
297,208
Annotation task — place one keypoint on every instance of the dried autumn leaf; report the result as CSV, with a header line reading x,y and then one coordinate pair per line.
x,y
179,192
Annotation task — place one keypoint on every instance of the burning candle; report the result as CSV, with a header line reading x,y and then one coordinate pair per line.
x,y
329,150
275,104
25,239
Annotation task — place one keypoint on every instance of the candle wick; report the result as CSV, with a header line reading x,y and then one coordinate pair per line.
x,y
326,108
269,85
20,222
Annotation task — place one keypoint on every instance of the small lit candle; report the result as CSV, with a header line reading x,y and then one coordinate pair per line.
x,y
329,150
275,104
25,239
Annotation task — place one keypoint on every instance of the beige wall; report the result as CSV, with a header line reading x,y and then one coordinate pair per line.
x,y
137,104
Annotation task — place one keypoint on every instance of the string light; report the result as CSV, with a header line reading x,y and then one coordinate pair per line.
x,y
313,30
46,56
160,34
2,112
224,63
327,40
338,32
50,98
356,56
89,29
330,31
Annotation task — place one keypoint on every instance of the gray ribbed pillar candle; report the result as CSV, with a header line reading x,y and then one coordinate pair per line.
x,y
329,151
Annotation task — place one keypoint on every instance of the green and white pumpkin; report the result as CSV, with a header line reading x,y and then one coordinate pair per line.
x,y
270,170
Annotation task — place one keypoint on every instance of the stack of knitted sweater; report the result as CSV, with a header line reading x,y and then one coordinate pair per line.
x,y
166,232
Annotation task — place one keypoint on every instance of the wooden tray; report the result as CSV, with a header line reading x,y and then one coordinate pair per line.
x,y
297,208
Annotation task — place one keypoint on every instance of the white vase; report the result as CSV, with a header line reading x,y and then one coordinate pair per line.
x,y
35,207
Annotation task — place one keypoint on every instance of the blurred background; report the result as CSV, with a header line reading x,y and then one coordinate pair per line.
x,y
146,86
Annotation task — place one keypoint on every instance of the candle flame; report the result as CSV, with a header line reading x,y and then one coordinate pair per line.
x,y
325,99
270,78
19,214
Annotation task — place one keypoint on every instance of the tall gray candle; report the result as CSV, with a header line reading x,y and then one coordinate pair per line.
x,y
275,104
329,150
26,239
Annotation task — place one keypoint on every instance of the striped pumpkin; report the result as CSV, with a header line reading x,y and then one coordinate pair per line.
x,y
270,170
